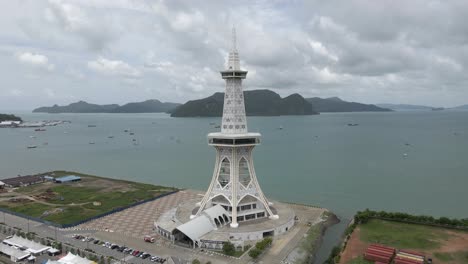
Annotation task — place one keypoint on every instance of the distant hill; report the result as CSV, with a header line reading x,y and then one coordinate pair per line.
x,y
149,106
335,104
7,117
461,107
406,107
257,103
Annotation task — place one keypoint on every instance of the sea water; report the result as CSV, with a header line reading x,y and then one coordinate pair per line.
x,y
414,162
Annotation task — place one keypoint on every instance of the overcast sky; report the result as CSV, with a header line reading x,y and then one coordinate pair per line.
x,y
117,51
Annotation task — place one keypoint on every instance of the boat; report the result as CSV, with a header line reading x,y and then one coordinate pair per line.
x,y
91,125
131,133
40,129
218,126
353,124
31,146
32,136
91,143
134,139
212,123
126,130
405,155
110,136
280,128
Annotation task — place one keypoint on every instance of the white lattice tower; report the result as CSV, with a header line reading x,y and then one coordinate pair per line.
x,y
234,183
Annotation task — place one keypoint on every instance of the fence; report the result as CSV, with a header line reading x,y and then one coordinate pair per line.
x,y
116,210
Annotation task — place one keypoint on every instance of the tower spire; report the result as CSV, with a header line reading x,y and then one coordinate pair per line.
x,y
234,40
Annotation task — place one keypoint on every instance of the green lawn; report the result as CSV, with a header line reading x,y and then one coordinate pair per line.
x,y
402,235
459,256
359,260
74,201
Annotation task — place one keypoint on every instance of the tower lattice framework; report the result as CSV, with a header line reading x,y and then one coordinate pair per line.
x,y
234,184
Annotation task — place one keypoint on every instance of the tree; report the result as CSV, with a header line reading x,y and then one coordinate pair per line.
x,y
229,249
196,261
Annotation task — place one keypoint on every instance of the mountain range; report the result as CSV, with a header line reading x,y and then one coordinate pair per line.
x,y
148,106
257,103
269,103
335,104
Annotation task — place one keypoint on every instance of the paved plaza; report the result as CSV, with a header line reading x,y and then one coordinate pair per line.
x,y
138,221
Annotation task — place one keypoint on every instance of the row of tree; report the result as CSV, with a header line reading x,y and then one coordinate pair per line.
x,y
364,216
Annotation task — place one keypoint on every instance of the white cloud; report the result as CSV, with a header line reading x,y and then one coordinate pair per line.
x,y
113,67
35,60
16,92
322,50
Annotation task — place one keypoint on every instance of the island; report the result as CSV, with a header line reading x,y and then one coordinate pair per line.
x,y
148,106
9,117
335,104
257,103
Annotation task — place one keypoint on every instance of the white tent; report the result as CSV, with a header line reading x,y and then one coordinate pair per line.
x,y
74,259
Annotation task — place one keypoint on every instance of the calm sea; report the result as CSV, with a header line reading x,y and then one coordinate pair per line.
x,y
400,161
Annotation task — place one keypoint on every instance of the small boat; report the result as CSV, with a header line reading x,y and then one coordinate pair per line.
x,y
126,130
31,146
131,133
110,136
32,136
405,155
40,129
91,143
212,123
280,128
134,139
91,125
353,124
218,126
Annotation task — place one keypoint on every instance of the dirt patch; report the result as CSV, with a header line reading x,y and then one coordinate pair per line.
x,y
354,248
458,241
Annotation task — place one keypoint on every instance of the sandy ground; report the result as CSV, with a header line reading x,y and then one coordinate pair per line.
x,y
354,248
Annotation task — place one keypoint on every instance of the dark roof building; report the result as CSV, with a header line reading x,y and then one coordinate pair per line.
x,y
22,181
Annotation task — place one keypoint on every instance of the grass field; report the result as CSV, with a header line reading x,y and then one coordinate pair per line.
x,y
72,202
442,245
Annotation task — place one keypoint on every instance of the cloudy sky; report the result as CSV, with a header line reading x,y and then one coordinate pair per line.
x,y
116,51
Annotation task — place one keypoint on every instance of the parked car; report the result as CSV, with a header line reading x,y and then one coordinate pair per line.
x,y
149,239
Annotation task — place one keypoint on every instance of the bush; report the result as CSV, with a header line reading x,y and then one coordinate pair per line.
x,y
229,249
262,245
196,261
254,253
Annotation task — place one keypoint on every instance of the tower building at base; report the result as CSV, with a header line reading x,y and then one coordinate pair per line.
x,y
234,184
